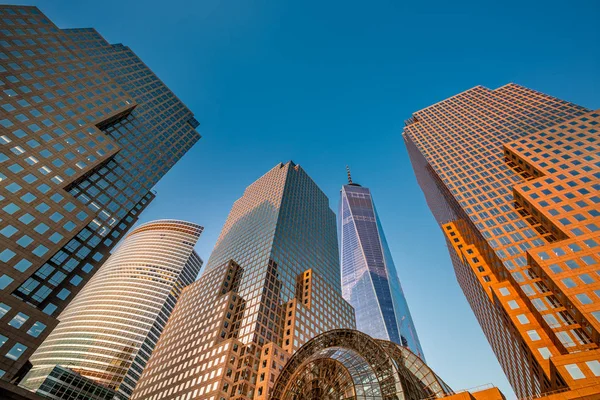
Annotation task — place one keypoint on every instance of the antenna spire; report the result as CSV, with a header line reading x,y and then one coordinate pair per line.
x,y
349,176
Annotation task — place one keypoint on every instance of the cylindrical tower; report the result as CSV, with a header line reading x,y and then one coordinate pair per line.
x,y
110,329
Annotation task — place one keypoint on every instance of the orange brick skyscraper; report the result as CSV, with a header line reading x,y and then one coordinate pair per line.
x,y
513,178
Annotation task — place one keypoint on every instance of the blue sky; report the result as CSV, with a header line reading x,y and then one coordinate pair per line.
x,y
329,83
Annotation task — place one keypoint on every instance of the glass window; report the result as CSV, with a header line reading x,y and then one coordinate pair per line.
x,y
63,294
523,319
533,335
574,371
49,309
569,283
18,320
572,264
4,309
545,352
40,250
594,366
36,329
588,260
584,298
17,351
5,280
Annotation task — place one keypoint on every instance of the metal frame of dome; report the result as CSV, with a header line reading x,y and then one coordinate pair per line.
x,y
377,369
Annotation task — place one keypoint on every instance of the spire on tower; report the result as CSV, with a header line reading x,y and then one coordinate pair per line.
x,y
349,176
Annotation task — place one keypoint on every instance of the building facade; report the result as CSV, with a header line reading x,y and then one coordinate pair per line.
x,y
271,284
86,131
348,364
512,177
108,332
369,278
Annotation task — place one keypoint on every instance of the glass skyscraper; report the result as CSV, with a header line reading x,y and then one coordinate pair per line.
x,y
86,131
512,176
369,279
272,283
108,332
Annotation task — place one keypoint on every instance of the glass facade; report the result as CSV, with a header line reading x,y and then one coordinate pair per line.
x,y
511,175
108,332
271,284
348,364
63,383
86,130
369,279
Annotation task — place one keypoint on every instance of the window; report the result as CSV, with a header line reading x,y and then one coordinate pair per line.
x,y
49,309
543,255
63,294
594,366
574,371
584,298
551,321
555,268
18,320
5,280
4,309
40,250
523,319
533,335
36,329
588,260
569,283
545,352
17,351
572,264
513,304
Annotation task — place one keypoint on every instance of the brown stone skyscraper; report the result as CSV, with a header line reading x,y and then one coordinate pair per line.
x,y
513,177
272,283
86,131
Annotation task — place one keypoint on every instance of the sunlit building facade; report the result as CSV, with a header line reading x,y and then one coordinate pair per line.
x,y
513,178
86,131
272,283
108,332
369,278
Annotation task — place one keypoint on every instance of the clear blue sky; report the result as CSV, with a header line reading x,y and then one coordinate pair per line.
x,y
329,83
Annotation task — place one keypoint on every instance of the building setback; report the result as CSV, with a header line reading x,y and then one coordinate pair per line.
x,y
369,279
109,331
512,176
86,130
271,284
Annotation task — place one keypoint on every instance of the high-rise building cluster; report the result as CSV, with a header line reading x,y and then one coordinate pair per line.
x,y
292,304
86,131
513,178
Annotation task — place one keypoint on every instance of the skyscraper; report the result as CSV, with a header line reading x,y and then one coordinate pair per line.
x,y
86,131
512,176
109,331
369,278
271,284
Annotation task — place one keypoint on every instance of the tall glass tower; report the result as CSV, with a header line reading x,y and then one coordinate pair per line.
x,y
108,332
512,176
369,279
86,131
272,283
